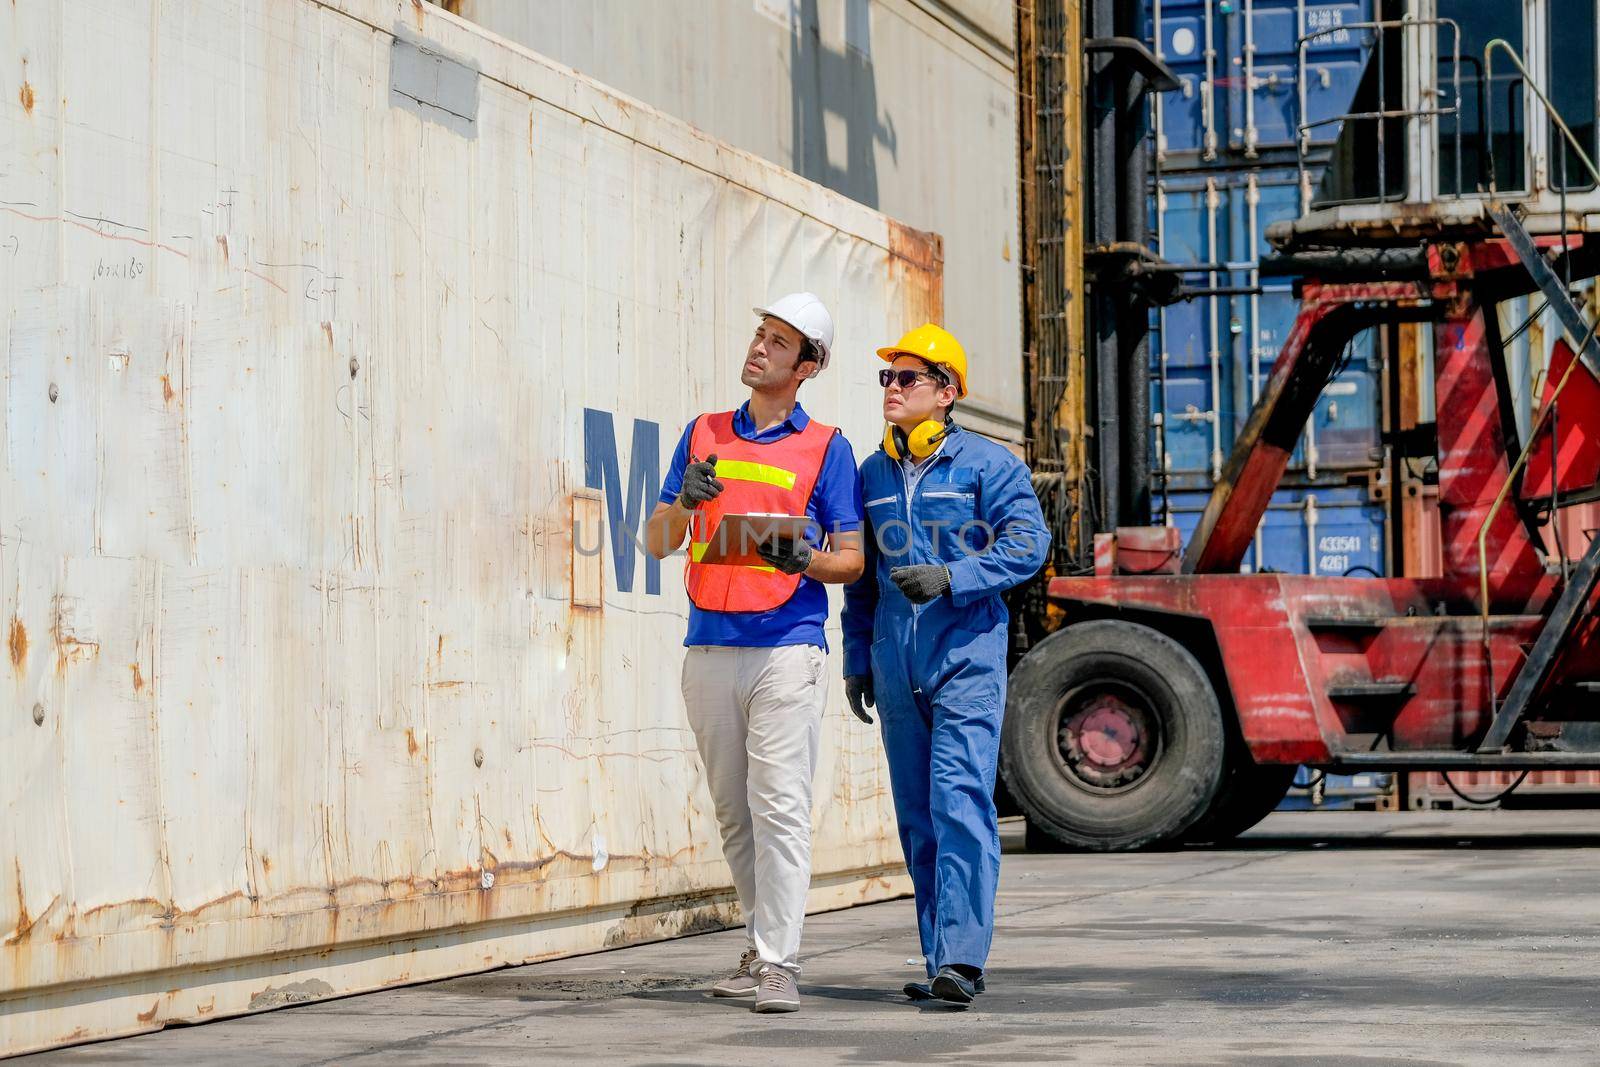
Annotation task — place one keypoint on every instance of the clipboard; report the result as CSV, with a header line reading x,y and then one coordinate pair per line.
x,y
734,541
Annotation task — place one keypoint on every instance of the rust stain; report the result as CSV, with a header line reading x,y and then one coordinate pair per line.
x,y
138,678
411,742
449,683
149,1016
266,863
222,243
401,892
131,906
327,331
17,643
25,94
68,646
920,254
166,389
26,922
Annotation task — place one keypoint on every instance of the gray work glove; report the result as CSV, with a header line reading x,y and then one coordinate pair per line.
x,y
922,582
699,484
858,689
790,557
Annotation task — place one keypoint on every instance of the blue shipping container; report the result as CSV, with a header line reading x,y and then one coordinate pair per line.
x,y
1234,127
1239,66
1230,342
1363,790
1333,531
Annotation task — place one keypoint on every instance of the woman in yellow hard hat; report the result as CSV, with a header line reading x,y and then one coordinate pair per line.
x,y
952,523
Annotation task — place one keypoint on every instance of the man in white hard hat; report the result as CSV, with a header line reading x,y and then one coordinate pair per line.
x,y
753,677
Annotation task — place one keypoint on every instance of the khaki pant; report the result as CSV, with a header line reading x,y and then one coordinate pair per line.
x,y
757,719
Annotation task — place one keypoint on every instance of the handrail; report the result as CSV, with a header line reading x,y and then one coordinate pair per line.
x,y
1577,357
1516,469
1499,501
1550,109
1383,112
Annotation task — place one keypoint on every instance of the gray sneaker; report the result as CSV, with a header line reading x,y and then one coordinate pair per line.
x,y
778,991
742,982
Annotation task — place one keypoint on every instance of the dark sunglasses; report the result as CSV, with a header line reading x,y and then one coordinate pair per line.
x,y
906,378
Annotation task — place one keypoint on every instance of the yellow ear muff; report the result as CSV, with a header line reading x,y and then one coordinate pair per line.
x,y
920,443
924,440
892,436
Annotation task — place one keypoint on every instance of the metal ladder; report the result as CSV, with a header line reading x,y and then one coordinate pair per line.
x,y
1572,605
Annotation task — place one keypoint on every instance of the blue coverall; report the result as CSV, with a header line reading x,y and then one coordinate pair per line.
x,y
939,669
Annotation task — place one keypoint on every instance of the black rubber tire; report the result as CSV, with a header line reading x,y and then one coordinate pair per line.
x,y
1182,783
1249,794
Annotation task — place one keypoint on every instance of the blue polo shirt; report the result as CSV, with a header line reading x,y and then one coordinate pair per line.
x,y
835,507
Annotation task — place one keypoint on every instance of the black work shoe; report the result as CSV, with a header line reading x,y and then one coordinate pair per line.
x,y
924,991
949,984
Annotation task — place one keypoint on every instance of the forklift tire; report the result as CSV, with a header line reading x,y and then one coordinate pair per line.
x,y
1249,794
1113,737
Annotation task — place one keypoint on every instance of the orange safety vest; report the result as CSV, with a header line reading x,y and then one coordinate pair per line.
x,y
772,478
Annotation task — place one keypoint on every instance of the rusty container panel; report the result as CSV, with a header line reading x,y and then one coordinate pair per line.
x,y
1429,790
342,342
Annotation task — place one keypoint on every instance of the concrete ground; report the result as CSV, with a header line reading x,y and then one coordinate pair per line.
x,y
1342,938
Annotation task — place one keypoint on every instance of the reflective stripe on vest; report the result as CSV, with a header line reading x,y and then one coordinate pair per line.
x,y
740,470
697,549
775,477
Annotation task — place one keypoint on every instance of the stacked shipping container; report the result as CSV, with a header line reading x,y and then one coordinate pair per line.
x,y
1225,149
1226,169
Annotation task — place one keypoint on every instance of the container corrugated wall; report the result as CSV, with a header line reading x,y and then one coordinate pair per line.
x,y
1239,67
907,106
1216,352
333,368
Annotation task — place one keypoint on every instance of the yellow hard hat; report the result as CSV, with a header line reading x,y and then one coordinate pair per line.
x,y
934,345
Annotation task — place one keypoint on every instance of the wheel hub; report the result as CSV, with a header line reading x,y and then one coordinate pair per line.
x,y
1107,739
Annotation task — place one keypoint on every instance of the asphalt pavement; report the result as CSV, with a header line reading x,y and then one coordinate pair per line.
x,y
1318,938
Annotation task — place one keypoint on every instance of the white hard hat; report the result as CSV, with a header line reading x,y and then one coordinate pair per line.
x,y
804,311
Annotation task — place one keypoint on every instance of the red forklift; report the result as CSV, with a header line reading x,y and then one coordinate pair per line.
x,y
1179,697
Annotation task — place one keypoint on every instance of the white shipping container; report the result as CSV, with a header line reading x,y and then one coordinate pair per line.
x,y
907,106
341,339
